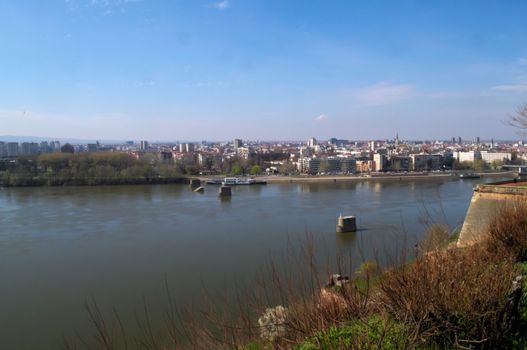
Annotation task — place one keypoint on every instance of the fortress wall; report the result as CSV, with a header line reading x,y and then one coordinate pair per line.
x,y
484,205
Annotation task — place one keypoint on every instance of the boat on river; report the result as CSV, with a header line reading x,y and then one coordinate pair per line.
x,y
469,176
235,181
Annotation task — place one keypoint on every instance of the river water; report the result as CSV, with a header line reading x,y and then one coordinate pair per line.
x,y
62,246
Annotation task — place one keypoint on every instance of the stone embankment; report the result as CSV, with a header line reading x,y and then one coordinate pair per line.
x,y
486,200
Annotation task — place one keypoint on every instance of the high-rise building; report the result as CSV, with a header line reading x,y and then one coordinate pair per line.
x,y
459,140
237,143
186,147
29,148
12,149
55,146
312,142
143,146
92,147
3,149
44,147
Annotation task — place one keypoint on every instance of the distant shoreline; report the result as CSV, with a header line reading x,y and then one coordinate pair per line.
x,y
395,177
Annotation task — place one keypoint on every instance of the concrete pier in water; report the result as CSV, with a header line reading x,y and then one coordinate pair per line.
x,y
195,183
346,224
225,191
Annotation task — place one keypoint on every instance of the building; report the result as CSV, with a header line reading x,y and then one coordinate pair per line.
x,y
380,162
348,165
427,162
489,157
12,149
332,165
55,146
237,143
312,142
3,149
143,145
243,152
44,147
309,165
364,165
92,147
186,147
400,163
469,156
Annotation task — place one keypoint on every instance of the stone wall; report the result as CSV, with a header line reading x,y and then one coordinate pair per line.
x,y
485,203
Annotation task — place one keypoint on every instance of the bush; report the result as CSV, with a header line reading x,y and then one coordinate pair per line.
x,y
508,229
435,237
453,298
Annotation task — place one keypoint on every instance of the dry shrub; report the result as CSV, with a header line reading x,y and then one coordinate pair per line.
x,y
435,237
451,297
508,229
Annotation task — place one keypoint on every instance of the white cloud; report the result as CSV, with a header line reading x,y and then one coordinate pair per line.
x,y
383,93
513,87
522,61
222,5
321,118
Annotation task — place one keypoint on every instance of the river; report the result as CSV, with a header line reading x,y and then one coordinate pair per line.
x,y
62,246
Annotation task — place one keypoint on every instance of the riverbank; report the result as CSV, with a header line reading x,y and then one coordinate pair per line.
x,y
397,177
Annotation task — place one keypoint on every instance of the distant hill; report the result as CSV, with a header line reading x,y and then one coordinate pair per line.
x,y
10,138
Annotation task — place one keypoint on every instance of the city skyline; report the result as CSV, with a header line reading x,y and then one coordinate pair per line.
x,y
123,69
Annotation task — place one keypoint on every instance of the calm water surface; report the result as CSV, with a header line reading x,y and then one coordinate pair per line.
x,y
62,246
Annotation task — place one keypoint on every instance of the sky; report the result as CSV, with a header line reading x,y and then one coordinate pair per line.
x,y
261,70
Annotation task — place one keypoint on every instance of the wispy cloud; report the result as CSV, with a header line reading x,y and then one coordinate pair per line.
x,y
512,87
322,118
383,93
222,5
205,84
522,61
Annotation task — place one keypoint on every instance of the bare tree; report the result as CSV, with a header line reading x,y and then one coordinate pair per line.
x,y
519,118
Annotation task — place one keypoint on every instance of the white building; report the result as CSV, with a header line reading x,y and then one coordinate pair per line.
x,y
380,162
312,142
490,157
470,156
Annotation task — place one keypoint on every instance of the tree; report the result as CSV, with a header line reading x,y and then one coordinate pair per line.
x,y
67,148
237,169
496,164
287,168
519,119
255,170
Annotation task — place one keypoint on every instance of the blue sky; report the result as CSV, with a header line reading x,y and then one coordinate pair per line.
x,y
214,70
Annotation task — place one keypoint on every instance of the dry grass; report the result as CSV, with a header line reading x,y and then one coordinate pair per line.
x,y
508,229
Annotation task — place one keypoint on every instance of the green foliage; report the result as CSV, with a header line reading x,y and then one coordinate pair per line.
x,y
89,169
236,169
255,170
375,333
256,345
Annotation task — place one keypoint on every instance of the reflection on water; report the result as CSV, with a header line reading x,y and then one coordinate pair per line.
x,y
60,246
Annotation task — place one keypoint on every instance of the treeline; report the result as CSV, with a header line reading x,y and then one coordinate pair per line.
x,y
102,168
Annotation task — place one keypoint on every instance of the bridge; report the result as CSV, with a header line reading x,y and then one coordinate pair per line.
x,y
522,169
